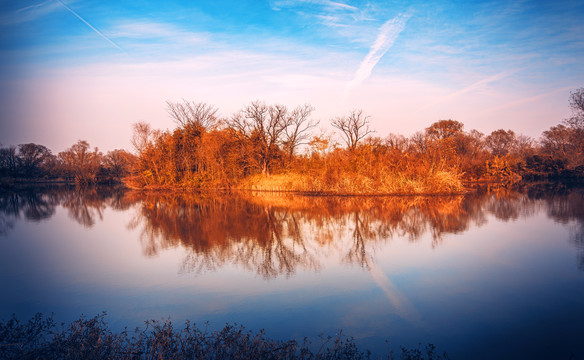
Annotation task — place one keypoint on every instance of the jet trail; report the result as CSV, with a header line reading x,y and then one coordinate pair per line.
x,y
92,28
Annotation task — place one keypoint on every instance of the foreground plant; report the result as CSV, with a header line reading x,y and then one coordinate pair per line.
x,y
90,338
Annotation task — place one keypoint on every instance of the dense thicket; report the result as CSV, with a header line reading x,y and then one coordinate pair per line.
x,y
271,147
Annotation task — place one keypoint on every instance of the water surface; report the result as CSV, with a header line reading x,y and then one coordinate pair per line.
x,y
492,275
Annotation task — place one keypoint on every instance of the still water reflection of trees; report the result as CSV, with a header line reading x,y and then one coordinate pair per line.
x,y
84,205
279,234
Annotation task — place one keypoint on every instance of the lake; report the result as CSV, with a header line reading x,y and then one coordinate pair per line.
x,y
496,274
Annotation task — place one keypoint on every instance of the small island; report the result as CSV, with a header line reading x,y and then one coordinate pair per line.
x,y
273,148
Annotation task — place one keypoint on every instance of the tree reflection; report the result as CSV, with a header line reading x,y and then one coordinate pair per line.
x,y
221,230
35,204
569,208
280,234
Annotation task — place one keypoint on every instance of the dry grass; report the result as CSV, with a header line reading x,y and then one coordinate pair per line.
x,y
350,183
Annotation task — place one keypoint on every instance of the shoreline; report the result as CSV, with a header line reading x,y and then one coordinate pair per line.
x,y
469,187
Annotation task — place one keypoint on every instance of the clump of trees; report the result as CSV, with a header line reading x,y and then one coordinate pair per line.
x,y
205,151
271,147
79,164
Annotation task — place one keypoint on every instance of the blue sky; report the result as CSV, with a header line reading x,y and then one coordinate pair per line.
x,y
89,69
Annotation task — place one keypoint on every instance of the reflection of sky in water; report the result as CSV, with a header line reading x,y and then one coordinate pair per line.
x,y
506,282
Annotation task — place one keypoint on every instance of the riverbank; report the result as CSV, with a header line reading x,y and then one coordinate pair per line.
x,y
434,183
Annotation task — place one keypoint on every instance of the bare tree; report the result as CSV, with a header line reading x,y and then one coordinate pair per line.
x,y
354,127
143,136
297,131
189,113
8,160
418,143
577,106
397,142
263,126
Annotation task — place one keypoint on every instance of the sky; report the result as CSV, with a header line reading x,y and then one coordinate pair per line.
x,y
85,69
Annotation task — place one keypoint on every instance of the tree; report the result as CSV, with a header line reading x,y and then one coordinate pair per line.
x,y
444,129
565,141
31,157
396,142
118,163
298,125
418,143
263,127
190,113
556,141
319,144
81,163
143,137
501,142
8,160
577,107
354,127
445,141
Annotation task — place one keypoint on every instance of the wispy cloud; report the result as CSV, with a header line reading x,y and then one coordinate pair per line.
x,y
336,4
329,13
29,13
92,27
387,35
278,4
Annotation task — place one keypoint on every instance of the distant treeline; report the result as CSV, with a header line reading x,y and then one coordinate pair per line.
x,y
79,164
270,147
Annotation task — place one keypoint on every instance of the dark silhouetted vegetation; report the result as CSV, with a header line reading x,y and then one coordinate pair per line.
x,y
78,164
91,338
270,147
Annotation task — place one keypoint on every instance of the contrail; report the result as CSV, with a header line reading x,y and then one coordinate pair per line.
x,y
92,28
388,33
33,6
526,100
474,86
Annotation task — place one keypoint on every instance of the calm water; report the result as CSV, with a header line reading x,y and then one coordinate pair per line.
x,y
494,275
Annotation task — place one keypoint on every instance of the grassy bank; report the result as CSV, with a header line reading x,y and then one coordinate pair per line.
x,y
90,338
436,182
